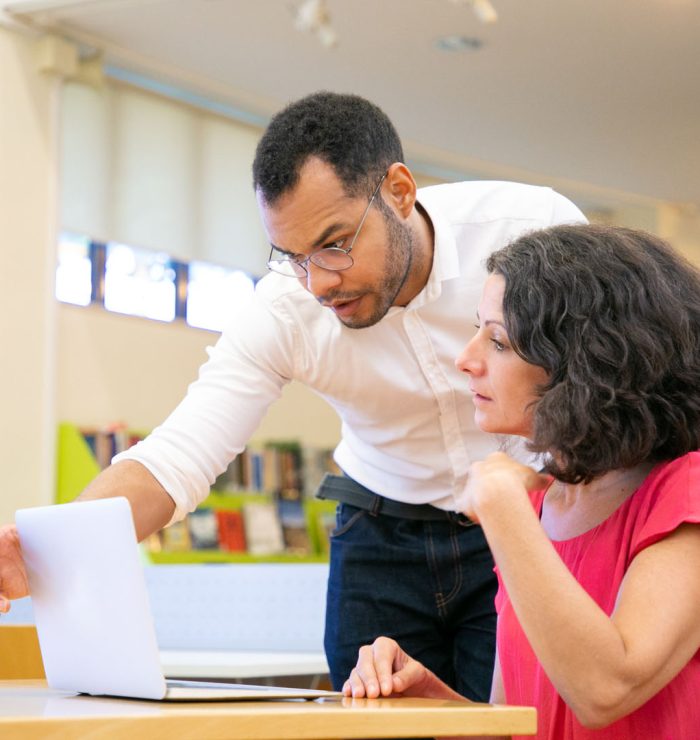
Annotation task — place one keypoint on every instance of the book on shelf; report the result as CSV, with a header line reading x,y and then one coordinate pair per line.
x,y
108,441
275,466
292,517
316,463
325,524
244,473
231,531
253,468
176,537
263,529
282,468
204,529
285,475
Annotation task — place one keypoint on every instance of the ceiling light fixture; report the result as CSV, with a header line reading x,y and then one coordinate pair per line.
x,y
483,9
313,16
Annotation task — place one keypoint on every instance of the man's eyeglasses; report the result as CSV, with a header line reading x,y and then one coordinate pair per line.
x,y
329,258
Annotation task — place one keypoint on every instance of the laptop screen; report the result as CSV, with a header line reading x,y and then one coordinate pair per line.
x,y
92,610
89,598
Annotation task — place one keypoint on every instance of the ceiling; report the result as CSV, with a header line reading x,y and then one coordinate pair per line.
x,y
600,92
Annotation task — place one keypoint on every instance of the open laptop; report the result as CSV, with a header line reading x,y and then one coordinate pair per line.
x,y
92,611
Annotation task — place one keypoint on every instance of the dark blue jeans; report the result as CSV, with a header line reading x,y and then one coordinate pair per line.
x,y
428,584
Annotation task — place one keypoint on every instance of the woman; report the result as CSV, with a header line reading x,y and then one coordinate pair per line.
x,y
589,345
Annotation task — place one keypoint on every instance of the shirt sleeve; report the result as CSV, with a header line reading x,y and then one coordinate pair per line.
x,y
246,371
565,212
673,499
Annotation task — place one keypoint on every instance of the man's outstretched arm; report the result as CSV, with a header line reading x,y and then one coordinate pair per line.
x,y
151,506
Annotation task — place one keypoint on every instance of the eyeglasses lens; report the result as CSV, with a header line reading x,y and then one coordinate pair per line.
x,y
328,259
332,259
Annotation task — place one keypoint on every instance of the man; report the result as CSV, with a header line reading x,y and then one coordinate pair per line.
x,y
369,301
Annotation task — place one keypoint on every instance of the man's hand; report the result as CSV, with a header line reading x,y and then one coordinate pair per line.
x,y
384,669
13,576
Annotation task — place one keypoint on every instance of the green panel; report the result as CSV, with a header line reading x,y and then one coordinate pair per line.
x,y
76,466
217,500
315,509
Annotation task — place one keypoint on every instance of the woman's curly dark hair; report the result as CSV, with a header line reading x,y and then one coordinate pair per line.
x,y
613,315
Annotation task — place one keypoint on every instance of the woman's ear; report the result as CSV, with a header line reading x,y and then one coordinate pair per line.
x,y
400,188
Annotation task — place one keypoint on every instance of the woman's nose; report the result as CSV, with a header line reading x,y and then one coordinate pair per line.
x,y
467,360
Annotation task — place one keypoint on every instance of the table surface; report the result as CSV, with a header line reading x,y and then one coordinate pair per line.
x,y
28,710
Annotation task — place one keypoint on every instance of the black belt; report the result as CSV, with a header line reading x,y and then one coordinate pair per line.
x,y
348,491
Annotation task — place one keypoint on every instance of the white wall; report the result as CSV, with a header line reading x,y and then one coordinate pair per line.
x,y
680,226
27,244
114,368
155,173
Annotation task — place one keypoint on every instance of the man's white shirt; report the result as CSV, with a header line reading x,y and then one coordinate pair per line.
x,y
407,417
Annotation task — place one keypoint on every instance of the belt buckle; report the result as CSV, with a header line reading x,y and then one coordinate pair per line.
x,y
462,520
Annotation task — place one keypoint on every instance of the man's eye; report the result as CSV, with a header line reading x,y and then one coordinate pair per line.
x,y
291,257
335,245
282,256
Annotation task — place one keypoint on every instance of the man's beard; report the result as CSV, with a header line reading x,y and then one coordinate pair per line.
x,y
397,267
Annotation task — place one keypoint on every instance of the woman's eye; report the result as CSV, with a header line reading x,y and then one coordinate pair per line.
x,y
498,345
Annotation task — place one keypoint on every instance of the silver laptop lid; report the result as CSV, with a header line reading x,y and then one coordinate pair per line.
x,y
89,598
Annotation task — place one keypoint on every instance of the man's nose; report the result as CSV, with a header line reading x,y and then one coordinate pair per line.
x,y
319,281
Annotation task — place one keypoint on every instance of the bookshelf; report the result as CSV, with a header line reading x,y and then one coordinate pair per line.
x,y
268,486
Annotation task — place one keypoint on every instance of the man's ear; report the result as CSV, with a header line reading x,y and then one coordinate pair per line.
x,y
400,188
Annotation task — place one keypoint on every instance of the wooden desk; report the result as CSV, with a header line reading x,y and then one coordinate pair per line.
x,y
30,711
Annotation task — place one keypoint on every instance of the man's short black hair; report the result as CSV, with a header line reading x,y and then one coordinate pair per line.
x,y
348,132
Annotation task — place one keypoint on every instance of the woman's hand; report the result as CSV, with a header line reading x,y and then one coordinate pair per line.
x,y
496,479
384,669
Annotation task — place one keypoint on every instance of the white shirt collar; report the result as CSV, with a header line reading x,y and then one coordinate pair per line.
x,y
445,256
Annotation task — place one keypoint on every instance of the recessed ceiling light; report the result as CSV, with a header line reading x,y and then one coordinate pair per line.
x,y
459,43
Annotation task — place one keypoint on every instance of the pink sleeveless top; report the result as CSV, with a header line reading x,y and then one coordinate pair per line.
x,y
599,559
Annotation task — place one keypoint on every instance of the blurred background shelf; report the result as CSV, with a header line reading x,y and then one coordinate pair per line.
x,y
82,453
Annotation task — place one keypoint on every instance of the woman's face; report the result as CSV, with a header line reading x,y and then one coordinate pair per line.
x,y
503,385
